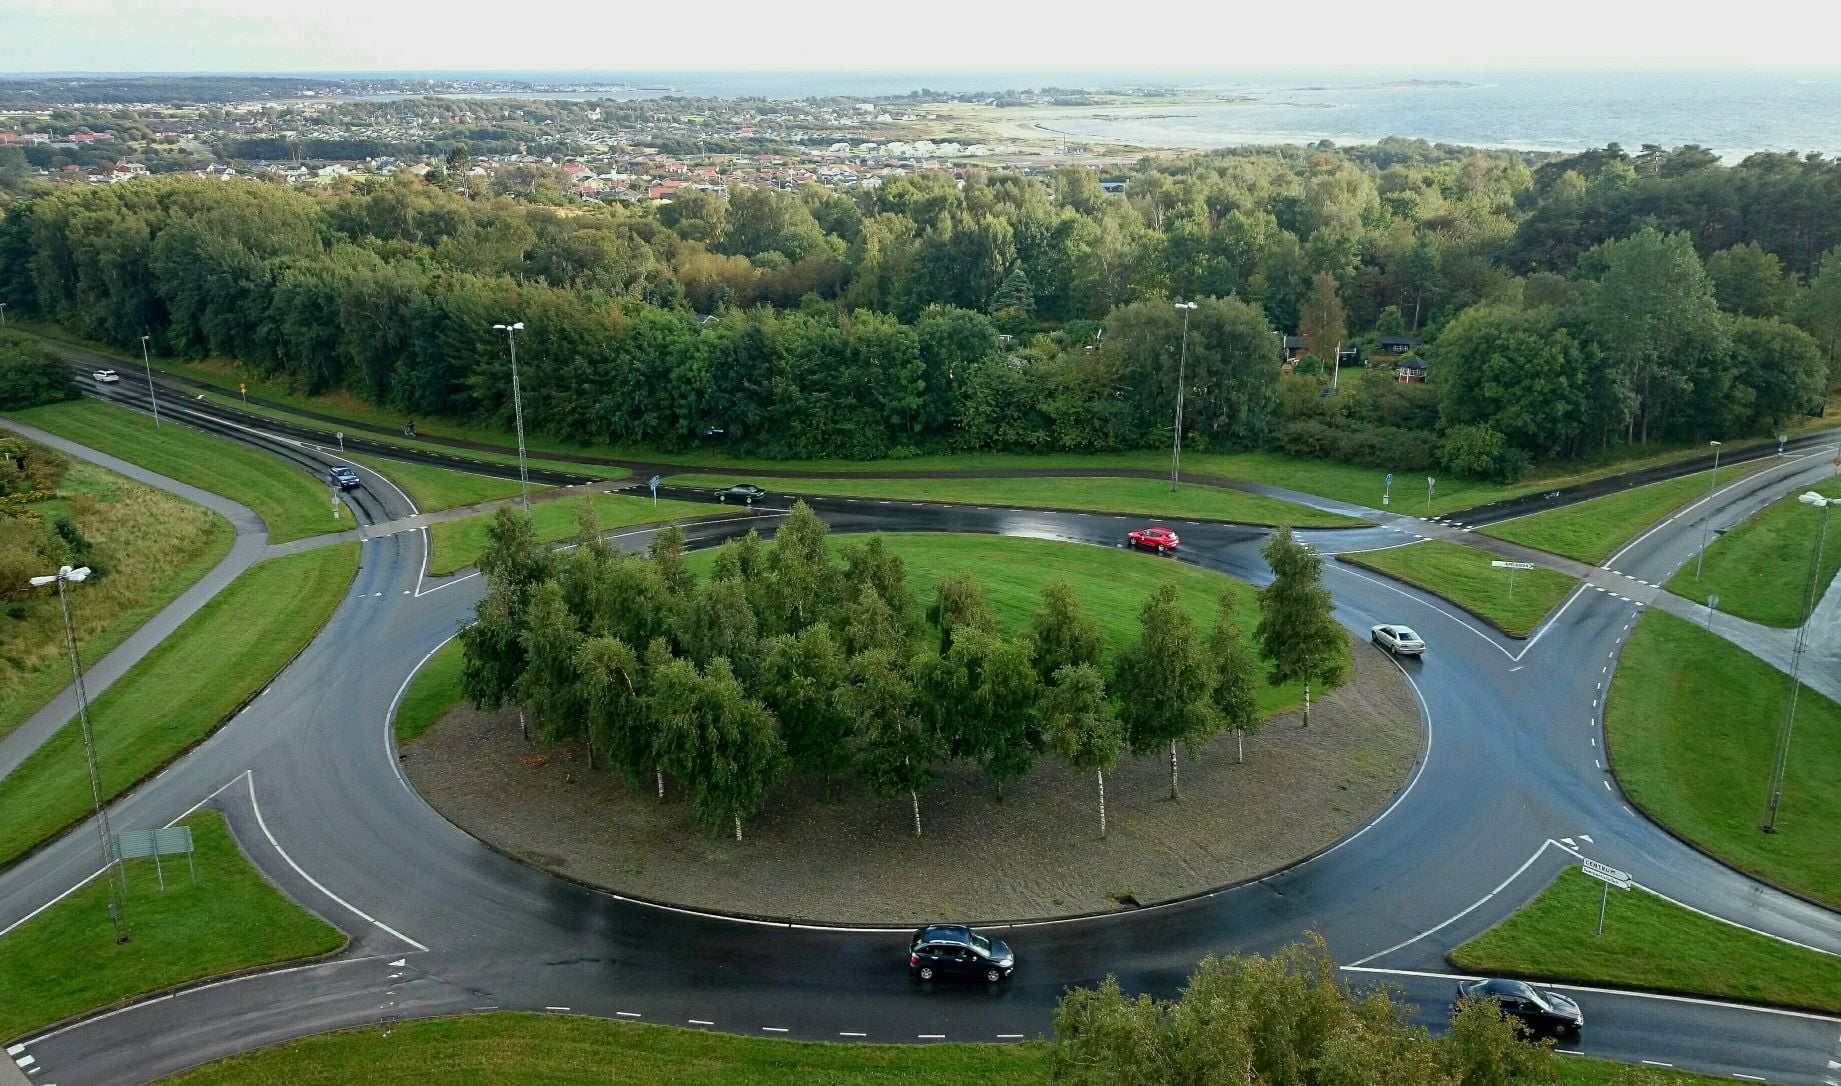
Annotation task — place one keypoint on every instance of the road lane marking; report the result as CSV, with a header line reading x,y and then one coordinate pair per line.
x,y
1755,1008
931,1036
1009,1036
773,1029
698,1022
853,1035
556,1008
1658,1063
1503,885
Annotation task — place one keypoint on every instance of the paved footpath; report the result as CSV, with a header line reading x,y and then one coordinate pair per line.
x,y
248,549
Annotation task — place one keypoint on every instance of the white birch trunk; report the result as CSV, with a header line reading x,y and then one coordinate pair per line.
x,y
523,728
738,827
1307,703
660,774
1173,792
1240,746
915,798
1101,774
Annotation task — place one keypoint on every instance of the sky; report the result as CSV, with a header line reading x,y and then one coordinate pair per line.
x,y
1421,38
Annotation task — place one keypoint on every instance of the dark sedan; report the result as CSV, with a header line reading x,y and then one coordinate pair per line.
x,y
742,492
939,951
344,478
1540,1013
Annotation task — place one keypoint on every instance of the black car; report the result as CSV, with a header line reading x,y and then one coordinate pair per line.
x,y
746,492
939,951
1540,1013
344,478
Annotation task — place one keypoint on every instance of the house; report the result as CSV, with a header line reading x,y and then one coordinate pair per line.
x,y
1410,369
1295,348
1400,344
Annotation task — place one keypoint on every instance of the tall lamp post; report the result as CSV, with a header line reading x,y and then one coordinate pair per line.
x,y
1780,757
147,361
1707,516
517,410
117,879
1182,374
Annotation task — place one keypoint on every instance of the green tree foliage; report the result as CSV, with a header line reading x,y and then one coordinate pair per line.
x,y
1081,726
1818,312
1234,669
959,604
1658,324
31,375
1297,631
896,754
1519,373
1162,681
1749,281
1061,635
799,682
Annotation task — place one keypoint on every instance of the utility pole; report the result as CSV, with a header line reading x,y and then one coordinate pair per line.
x,y
1780,757
517,411
147,361
1182,373
117,878
1707,516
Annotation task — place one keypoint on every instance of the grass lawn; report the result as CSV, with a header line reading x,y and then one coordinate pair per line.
x,y
290,501
148,545
565,1049
1760,569
434,690
1648,943
1690,728
434,489
1464,576
455,544
179,693
556,1049
1145,497
1592,531
65,960
1111,583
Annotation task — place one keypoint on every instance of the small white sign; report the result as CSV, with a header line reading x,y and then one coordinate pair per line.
x,y
1513,565
1607,874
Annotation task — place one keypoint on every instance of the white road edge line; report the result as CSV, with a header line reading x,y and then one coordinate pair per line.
x,y
263,823
1503,885
390,715
1633,994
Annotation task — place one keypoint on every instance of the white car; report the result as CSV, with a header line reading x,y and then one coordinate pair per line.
x,y
1398,640
107,377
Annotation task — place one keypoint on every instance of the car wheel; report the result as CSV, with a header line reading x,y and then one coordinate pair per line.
x,y
993,975
1374,638
722,497
926,972
1160,548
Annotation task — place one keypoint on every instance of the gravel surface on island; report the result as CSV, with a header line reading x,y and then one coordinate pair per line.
x,y
853,859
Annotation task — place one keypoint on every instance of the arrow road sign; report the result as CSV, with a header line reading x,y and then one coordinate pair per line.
x,y
1606,874
1513,565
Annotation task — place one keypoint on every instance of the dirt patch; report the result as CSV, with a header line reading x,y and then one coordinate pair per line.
x,y
854,859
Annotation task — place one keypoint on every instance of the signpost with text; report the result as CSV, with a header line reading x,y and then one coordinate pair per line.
x,y
1512,567
1610,876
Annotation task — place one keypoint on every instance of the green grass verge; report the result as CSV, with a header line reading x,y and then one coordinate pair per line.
x,y
65,960
1592,531
1112,585
1648,943
434,690
563,1049
290,501
558,1049
1464,576
455,544
1690,727
179,693
1144,497
1760,569
434,489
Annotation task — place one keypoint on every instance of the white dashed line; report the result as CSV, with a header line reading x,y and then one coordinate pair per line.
x,y
25,1061
773,1029
556,1008
1607,787
698,1022
853,1035
14,1050
628,1014
1754,1078
931,1036
1658,1063
1009,1036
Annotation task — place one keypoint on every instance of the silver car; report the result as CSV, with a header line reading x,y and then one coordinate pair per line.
x,y
1398,640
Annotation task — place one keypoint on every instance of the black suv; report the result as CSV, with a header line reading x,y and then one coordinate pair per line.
x,y
954,950
1540,1013
344,478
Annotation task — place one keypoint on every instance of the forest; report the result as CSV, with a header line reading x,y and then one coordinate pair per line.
x,y
1566,304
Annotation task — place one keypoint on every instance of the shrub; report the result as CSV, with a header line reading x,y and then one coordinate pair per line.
x,y
1479,452
31,375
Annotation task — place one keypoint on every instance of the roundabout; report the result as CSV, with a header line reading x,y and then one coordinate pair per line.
x,y
1512,787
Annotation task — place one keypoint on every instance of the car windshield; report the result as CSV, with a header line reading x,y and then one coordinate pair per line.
x,y
979,941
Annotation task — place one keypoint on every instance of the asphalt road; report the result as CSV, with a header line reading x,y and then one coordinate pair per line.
x,y
1511,787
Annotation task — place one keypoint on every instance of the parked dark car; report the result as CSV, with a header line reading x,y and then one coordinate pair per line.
x,y
940,951
344,478
1540,1013
743,492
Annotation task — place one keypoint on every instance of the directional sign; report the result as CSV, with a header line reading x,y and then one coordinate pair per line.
x,y
653,482
1513,565
1390,478
1607,874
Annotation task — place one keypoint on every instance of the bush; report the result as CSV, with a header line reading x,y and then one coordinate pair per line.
x,y
1392,447
1479,452
30,375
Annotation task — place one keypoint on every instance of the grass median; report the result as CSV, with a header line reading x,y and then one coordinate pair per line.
x,y
290,501
434,690
1464,576
1691,725
179,693
1593,530
65,960
1760,569
454,545
434,489
1649,943
1142,497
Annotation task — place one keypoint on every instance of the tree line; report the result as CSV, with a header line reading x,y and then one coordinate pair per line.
x,y
1684,299
790,659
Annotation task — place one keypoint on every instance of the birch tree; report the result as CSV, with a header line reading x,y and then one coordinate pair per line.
x,y
1081,727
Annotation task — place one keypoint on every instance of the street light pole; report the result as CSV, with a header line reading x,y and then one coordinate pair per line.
x,y
1706,517
1182,374
1780,757
147,361
517,411
117,902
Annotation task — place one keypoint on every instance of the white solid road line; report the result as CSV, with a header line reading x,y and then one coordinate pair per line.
x,y
1755,1008
1503,885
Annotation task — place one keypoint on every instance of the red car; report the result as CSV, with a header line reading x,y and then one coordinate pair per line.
x,y
1158,539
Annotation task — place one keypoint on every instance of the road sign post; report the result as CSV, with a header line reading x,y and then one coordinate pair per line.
x,y
1388,489
1512,567
1610,876
341,436
1713,601
653,483
335,501
1429,484
243,387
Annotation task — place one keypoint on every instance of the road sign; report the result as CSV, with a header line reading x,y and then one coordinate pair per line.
x,y
341,440
1390,478
653,483
1513,565
1607,874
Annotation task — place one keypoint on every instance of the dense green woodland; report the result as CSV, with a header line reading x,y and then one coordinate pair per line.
x,y
1584,302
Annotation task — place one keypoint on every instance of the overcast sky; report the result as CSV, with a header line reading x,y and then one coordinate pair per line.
x,y
1419,37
